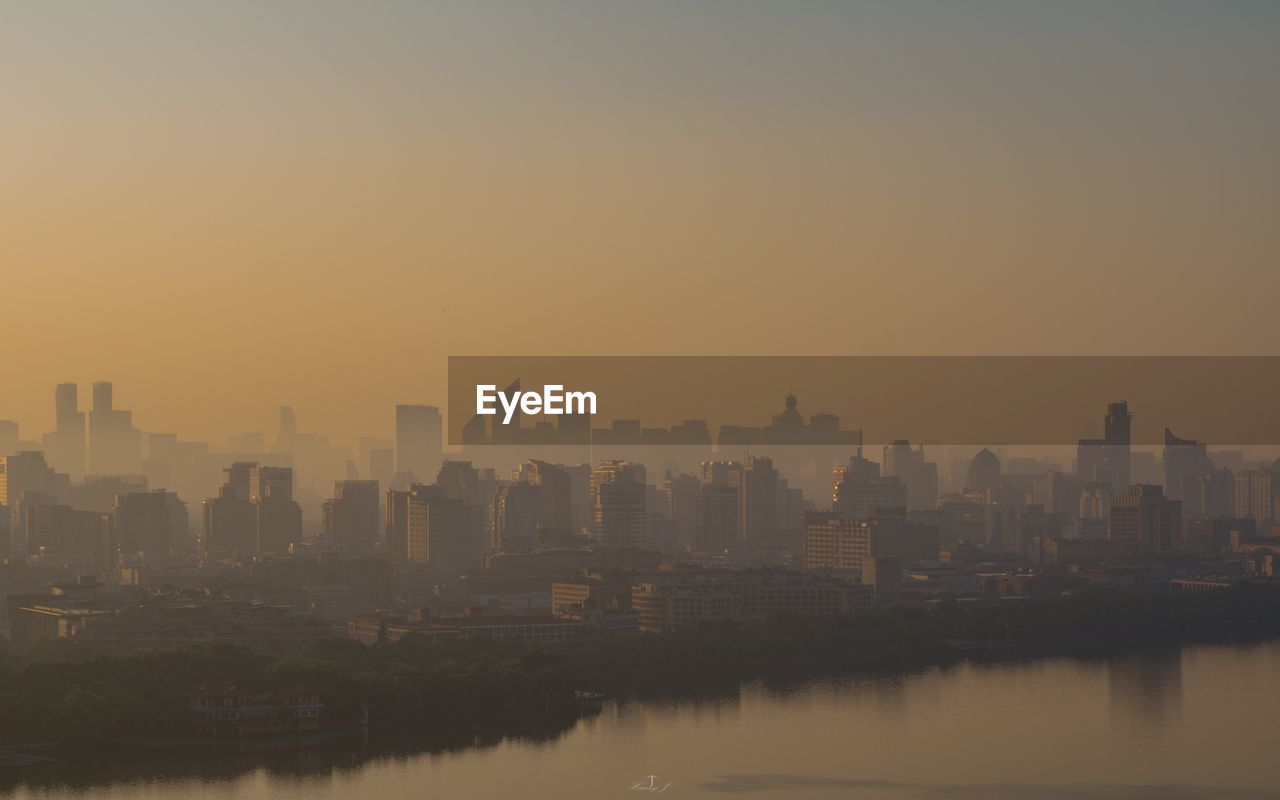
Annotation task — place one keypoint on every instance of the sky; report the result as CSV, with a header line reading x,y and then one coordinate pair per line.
x,y
228,206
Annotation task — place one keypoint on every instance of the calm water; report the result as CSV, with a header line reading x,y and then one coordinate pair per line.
x,y
1203,722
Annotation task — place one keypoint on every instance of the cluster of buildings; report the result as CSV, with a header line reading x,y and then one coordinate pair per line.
x,y
97,545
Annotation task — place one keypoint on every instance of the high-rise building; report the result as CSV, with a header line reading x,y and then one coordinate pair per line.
x,y
443,532
1053,491
863,499
1143,516
722,473
382,465
9,437
1038,524
273,482
719,507
1108,458
519,512
351,519
230,525
680,502
65,446
919,475
1183,459
620,498
271,490
230,519
377,459
1095,500
717,518
859,470
146,526
1210,497
419,445
758,514
6,533
26,479
115,446
1254,496
984,471
253,512
395,543
239,478
832,541
286,440
65,532
968,516
557,493
459,481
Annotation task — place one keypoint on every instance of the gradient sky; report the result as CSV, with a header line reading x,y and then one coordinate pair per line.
x,y
226,206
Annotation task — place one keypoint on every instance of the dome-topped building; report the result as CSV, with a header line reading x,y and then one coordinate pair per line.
x,y
984,471
790,418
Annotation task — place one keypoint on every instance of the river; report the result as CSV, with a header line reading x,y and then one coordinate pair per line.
x,y
1199,722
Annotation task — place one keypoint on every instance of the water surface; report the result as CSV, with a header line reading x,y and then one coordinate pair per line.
x,y
1200,722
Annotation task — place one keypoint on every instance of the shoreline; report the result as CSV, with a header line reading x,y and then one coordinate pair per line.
x,y
112,766
482,689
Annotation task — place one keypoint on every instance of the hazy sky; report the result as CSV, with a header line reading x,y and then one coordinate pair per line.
x,y
226,206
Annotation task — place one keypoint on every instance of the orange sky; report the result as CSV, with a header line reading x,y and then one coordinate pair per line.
x,y
226,208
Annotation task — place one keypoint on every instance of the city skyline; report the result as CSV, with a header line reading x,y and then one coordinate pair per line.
x,y
561,398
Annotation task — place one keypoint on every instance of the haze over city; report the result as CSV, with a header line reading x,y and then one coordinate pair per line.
x,y
558,398
227,208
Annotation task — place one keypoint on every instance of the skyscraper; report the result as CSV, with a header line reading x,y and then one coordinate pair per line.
x,y
61,531
443,532
619,492
984,471
418,441
519,511
65,446
279,516
1254,496
351,518
557,493
680,498
270,482
26,479
147,526
230,524
1183,459
1107,459
231,518
1143,516
758,517
9,437
919,475
832,541
115,446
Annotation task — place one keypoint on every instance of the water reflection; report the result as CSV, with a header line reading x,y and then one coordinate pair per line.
x,y
1146,692
1161,723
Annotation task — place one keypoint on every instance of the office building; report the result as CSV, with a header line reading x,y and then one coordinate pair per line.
x,y
419,444
1145,518
351,520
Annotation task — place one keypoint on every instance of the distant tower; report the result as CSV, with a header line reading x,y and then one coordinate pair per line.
x,y
102,399
115,446
1108,458
418,441
65,446
984,471
351,519
288,428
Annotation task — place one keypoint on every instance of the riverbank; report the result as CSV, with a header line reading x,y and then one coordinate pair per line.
x,y
479,687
